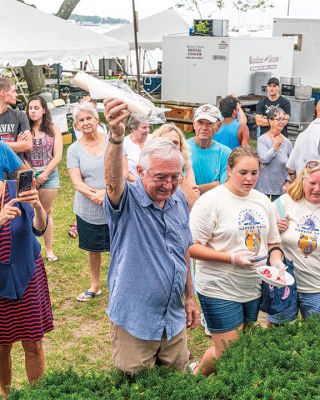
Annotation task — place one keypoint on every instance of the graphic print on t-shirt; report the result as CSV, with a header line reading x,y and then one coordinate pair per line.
x,y
308,227
251,223
7,132
269,108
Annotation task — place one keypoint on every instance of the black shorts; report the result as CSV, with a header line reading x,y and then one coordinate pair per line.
x,y
93,237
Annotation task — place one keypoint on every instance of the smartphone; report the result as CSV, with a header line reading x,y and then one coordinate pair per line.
x,y
24,180
258,258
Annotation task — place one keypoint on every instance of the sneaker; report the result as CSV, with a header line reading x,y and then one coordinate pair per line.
x,y
193,366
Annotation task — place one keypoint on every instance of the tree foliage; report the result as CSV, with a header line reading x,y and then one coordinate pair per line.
x,y
241,5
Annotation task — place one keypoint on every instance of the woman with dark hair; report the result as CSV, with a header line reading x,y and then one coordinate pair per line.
x,y
25,309
230,225
274,149
44,159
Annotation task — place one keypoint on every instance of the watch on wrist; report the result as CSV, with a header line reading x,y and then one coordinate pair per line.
x,y
115,141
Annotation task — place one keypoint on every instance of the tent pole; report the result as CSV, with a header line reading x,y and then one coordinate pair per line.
x,y
135,27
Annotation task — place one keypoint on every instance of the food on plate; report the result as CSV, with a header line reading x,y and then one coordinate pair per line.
x,y
275,275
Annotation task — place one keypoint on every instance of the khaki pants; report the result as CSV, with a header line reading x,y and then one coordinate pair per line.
x,y
132,355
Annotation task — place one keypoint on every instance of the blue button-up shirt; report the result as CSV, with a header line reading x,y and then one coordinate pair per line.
x,y
147,272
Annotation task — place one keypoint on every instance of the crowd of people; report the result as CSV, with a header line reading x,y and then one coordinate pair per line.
x,y
159,204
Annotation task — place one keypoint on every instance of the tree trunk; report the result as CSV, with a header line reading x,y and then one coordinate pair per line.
x,y
66,8
33,73
34,76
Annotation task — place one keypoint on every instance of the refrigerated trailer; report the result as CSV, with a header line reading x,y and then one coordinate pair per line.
x,y
199,69
306,57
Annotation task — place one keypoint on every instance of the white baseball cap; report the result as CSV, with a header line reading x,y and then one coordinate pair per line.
x,y
208,112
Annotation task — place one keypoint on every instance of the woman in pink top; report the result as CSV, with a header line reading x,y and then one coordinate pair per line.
x,y
44,159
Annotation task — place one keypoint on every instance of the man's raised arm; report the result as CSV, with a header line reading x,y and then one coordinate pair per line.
x,y
116,113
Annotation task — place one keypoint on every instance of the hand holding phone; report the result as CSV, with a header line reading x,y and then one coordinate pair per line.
x,y
24,181
258,258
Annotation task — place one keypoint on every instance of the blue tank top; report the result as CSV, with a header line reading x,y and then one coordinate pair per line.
x,y
228,134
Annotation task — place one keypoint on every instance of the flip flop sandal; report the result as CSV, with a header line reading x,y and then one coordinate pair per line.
x,y
53,259
73,232
87,295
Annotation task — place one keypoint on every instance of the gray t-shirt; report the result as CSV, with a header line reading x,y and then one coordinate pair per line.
x,y
273,172
12,122
91,169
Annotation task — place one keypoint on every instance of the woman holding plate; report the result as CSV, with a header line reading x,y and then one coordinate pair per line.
x,y
230,225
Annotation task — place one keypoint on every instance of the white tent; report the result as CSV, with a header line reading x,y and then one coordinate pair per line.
x,y
28,33
152,29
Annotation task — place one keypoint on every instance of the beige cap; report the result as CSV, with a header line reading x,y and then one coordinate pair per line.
x,y
208,112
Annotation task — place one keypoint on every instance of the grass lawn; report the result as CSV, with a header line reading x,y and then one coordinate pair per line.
x,y
81,336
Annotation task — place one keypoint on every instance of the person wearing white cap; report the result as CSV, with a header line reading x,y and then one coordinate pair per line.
x,y
209,158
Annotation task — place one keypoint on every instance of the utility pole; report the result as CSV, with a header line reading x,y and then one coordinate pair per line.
x,y
135,27
288,9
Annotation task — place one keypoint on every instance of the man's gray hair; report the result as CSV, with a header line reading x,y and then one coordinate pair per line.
x,y
87,107
161,148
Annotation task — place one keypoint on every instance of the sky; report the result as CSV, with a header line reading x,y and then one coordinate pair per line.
x,y
123,9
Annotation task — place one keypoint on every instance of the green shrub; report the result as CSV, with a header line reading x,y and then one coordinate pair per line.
x,y
272,364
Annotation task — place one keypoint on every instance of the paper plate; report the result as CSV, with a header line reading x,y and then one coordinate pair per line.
x,y
265,271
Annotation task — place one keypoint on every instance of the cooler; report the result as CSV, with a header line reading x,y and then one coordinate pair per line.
x,y
152,83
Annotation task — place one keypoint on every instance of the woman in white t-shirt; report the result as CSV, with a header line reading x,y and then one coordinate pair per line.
x,y
299,226
230,224
134,143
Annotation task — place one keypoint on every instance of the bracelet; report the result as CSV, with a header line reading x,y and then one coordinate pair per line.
x,y
114,141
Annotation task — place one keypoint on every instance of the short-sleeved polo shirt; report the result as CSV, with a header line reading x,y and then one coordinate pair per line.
x,y
147,272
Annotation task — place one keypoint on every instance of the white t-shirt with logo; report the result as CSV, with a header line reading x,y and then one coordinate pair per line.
x,y
226,222
301,242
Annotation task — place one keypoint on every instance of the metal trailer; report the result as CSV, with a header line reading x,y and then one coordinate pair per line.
x,y
306,35
199,69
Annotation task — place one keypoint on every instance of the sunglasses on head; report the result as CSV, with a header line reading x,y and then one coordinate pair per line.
x,y
313,164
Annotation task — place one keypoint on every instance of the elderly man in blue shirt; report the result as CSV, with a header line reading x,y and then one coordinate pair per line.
x,y
151,300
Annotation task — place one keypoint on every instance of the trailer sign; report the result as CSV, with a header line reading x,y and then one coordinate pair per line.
x,y
194,53
263,63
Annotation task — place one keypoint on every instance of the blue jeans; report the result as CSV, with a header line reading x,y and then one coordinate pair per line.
x,y
226,315
308,303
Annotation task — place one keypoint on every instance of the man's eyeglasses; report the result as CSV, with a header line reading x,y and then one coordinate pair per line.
x,y
161,179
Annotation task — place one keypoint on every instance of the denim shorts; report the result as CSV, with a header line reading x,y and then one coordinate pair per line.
x,y
94,238
53,181
226,315
308,303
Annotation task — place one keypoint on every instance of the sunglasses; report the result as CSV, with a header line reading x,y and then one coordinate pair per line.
x,y
312,164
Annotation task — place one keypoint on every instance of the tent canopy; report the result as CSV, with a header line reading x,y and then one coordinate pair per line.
x,y
28,33
152,29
